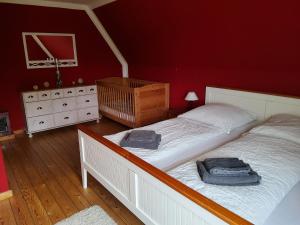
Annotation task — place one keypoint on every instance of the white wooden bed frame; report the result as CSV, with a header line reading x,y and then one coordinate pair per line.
x,y
152,195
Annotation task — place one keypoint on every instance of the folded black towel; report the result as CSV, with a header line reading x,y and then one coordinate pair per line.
x,y
252,178
141,139
226,167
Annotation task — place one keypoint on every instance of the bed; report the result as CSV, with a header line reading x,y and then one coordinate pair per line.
x,y
132,102
153,195
277,161
182,139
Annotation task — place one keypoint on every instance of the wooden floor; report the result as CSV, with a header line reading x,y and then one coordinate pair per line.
x,y
44,174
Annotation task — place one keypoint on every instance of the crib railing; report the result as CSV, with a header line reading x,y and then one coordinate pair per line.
x,y
133,102
118,102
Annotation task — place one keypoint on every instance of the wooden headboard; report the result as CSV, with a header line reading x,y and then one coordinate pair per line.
x,y
260,104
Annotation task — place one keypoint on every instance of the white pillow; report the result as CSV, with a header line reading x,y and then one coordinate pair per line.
x,y
226,117
283,126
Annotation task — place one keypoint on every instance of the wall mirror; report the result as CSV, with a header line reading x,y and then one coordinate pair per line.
x,y
44,50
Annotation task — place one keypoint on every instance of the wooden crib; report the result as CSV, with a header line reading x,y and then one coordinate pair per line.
x,y
132,102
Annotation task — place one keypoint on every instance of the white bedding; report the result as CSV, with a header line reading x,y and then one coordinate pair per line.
x,y
287,212
276,160
182,140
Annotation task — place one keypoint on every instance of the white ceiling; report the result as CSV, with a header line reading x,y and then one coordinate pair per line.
x,y
87,2
91,3
62,3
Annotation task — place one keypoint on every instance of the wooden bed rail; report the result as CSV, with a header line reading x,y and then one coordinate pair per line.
x,y
211,206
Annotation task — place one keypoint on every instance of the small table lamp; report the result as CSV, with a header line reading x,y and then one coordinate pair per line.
x,y
191,97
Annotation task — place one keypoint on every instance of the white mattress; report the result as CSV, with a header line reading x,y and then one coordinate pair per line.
x,y
276,160
182,140
287,212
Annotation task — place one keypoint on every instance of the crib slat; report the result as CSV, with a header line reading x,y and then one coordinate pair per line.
x,y
119,104
117,100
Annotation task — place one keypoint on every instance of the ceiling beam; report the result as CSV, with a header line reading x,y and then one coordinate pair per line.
x,y
108,40
93,17
99,3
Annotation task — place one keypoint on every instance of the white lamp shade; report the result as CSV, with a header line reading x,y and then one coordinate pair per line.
x,y
191,96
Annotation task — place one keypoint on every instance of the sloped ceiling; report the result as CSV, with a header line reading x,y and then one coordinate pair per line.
x,y
62,3
91,3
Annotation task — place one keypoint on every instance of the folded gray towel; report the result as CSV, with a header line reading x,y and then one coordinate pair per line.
x,y
148,136
226,167
127,142
221,171
251,179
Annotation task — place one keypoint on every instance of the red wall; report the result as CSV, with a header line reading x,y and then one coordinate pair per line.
x,y
3,177
94,57
251,45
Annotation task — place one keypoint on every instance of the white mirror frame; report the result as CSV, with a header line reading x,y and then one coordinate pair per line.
x,y
50,62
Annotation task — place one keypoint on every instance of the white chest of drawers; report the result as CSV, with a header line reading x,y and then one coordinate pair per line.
x,y
49,109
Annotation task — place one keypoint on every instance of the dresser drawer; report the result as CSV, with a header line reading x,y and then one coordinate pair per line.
x,y
64,118
87,101
58,93
91,89
64,104
40,123
69,92
38,108
88,114
30,97
80,90
44,95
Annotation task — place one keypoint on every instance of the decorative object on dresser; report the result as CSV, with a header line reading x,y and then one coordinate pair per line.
x,y
191,98
42,50
46,84
132,102
53,108
80,81
59,82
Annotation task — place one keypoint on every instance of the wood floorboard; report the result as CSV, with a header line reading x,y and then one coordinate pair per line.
x,y
44,174
6,215
28,193
40,185
19,206
56,190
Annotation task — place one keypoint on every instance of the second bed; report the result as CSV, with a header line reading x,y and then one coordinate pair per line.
x,y
272,150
